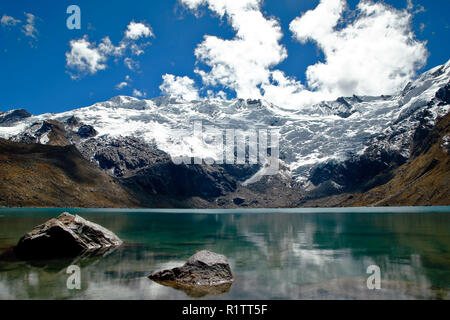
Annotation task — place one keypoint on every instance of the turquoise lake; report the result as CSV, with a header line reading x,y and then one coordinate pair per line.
x,y
274,254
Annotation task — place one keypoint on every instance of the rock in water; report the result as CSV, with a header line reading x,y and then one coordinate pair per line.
x,y
66,236
205,272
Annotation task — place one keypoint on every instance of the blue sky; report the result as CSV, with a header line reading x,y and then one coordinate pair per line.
x,y
35,75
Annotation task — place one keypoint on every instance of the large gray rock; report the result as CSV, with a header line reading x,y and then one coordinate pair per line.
x,y
204,273
66,236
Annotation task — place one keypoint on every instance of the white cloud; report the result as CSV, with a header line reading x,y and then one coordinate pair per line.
x,y
139,94
122,85
30,28
85,57
409,4
109,49
131,64
179,87
422,27
287,92
125,83
9,21
136,49
88,58
193,4
216,95
320,22
375,54
136,30
371,51
242,63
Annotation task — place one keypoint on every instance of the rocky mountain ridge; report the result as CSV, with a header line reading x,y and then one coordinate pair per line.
x,y
350,145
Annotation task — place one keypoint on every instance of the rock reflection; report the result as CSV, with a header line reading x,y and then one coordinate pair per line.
x,y
197,291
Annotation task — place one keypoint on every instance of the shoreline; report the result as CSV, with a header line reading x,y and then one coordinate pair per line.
x,y
336,210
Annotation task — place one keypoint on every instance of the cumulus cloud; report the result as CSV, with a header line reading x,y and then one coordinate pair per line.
x,y
136,30
125,83
179,87
369,51
131,64
289,93
377,53
211,94
30,28
87,57
9,21
107,48
243,63
410,6
139,94
122,85
128,83
137,50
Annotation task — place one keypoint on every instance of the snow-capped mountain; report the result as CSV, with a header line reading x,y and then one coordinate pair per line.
x,y
314,135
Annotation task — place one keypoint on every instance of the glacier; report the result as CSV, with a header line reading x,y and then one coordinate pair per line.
x,y
310,136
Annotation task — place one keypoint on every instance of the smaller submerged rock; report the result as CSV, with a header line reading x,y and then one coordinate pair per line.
x,y
66,236
204,273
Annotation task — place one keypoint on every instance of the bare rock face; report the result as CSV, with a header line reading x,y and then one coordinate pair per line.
x,y
10,118
204,273
87,131
66,236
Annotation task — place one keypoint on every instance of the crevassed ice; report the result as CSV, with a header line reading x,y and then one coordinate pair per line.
x,y
308,136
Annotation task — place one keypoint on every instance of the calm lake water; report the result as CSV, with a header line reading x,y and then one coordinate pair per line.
x,y
274,254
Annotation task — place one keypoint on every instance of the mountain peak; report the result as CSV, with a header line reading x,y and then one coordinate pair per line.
x,y
309,136
13,116
123,99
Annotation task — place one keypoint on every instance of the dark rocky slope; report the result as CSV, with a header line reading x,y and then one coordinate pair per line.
x,y
67,164
133,175
424,180
13,117
34,175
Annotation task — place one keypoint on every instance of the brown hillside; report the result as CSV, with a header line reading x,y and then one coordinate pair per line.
x,y
422,181
34,175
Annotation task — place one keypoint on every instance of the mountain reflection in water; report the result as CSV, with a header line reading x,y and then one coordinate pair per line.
x,y
273,255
